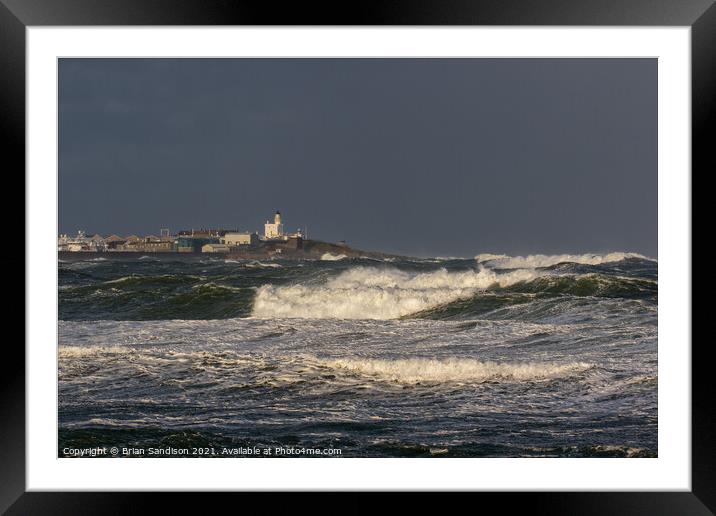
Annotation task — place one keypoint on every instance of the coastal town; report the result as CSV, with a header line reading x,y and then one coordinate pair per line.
x,y
187,241
274,242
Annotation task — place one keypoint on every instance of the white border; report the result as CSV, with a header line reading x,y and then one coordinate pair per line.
x,y
671,470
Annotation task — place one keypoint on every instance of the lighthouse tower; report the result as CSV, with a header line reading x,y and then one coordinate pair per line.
x,y
274,230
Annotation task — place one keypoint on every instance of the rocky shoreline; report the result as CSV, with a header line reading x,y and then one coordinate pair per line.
x,y
309,249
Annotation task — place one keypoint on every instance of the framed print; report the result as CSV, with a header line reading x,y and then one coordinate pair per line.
x,y
444,248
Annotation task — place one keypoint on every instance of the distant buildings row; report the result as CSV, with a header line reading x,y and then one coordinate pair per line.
x,y
186,241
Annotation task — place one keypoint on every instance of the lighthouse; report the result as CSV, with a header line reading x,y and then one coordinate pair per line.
x,y
274,230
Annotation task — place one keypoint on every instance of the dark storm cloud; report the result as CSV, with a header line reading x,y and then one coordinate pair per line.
x,y
427,157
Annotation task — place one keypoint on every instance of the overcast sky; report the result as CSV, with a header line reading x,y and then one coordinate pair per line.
x,y
446,157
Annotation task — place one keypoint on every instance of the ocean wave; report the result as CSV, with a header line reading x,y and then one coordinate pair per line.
x,y
79,265
90,351
301,368
504,261
595,285
262,265
598,450
373,293
419,370
355,289
330,257
136,279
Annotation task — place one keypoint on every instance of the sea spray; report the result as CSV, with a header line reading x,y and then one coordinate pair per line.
x,y
378,293
330,257
504,261
418,370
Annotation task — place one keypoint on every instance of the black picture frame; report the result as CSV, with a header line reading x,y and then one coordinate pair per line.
x,y
16,15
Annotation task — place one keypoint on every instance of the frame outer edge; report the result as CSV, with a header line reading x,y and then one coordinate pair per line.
x,y
12,131
12,142
366,12
703,110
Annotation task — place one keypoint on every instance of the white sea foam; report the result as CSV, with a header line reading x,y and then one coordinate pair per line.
x,y
262,265
489,257
373,293
330,257
298,367
136,277
417,370
543,260
123,279
85,351
79,265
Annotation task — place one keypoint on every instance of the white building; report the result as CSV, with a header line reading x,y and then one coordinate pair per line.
x,y
234,239
275,230
215,248
81,242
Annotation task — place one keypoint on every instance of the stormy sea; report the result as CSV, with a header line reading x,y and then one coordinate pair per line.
x,y
491,356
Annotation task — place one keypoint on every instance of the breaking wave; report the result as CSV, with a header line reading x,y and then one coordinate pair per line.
x,y
347,289
418,370
299,368
329,257
504,261
372,293
140,280
262,265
